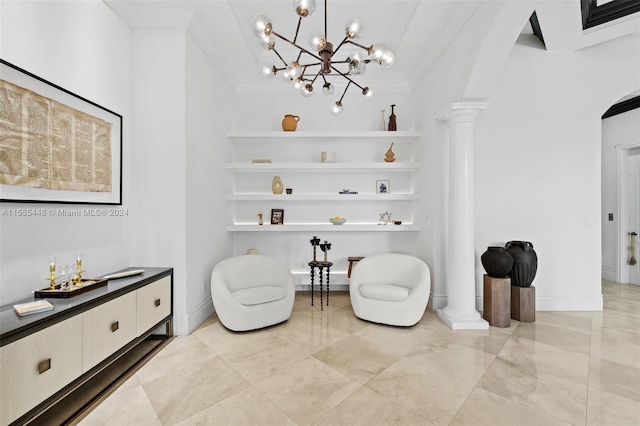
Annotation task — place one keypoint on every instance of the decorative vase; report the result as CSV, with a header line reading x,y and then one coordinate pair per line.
x,y
392,120
525,263
290,123
497,261
389,156
276,185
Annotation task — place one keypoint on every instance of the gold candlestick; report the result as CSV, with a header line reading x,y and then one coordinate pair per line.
x,y
52,273
79,270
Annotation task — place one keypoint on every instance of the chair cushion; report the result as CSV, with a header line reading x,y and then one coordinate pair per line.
x,y
257,295
387,292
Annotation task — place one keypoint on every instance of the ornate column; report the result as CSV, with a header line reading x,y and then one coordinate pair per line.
x,y
460,312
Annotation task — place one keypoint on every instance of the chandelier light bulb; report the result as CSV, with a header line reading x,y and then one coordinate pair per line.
x,y
357,65
388,58
267,42
336,108
353,29
298,83
317,42
262,26
286,75
307,91
328,89
269,71
295,70
377,51
304,8
367,92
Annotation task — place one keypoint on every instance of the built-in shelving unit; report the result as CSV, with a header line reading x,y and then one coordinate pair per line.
x,y
295,158
322,227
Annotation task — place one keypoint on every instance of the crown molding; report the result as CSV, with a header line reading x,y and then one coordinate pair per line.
x,y
456,22
198,31
140,15
143,16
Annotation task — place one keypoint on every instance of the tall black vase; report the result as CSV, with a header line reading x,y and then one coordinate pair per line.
x,y
497,261
525,263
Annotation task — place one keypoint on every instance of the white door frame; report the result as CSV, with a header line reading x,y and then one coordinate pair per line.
x,y
622,273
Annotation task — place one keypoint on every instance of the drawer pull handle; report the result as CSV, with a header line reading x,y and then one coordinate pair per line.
x,y
157,302
44,365
115,326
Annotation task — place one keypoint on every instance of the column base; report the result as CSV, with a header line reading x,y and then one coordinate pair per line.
x,y
472,321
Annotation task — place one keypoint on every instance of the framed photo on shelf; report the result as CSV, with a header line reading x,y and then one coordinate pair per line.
x,y
60,147
382,187
277,216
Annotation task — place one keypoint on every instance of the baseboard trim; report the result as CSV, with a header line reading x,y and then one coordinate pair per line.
x,y
569,303
609,275
198,316
333,287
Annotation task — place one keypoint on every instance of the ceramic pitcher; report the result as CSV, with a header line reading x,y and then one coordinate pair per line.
x,y
290,122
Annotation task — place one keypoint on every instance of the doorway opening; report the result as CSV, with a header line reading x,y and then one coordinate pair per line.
x,y
628,268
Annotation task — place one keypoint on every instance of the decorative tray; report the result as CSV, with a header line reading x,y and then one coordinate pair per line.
x,y
86,284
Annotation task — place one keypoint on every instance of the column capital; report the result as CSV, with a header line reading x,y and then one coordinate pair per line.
x,y
463,111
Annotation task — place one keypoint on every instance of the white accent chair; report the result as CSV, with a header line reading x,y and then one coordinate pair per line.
x,y
252,291
390,288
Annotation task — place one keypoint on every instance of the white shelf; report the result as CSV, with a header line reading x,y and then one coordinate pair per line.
x,y
282,136
322,227
323,167
322,197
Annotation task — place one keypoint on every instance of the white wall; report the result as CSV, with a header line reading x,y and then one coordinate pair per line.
x,y
91,58
159,156
618,130
180,122
537,163
491,31
536,149
208,119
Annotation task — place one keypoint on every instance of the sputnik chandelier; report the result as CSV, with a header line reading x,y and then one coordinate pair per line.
x,y
303,74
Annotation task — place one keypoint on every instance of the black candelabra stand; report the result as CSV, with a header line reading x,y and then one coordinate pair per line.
x,y
325,247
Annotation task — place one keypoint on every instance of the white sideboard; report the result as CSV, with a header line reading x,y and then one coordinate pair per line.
x,y
54,363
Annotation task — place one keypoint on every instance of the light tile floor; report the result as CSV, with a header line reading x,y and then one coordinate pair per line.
x,y
330,368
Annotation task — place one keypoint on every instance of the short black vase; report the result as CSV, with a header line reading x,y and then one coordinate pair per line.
x,y
525,263
497,261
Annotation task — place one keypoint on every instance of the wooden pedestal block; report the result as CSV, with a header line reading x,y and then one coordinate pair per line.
x,y
523,303
497,301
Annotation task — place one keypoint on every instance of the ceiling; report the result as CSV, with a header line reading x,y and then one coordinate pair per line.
x,y
417,31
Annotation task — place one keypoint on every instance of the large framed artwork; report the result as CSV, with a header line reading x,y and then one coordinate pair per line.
x,y
55,146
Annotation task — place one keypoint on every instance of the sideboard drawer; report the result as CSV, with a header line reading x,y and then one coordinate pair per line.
x,y
36,366
153,304
107,328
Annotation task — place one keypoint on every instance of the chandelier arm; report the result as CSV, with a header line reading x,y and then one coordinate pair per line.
x,y
296,46
315,64
314,78
340,45
281,58
345,91
297,29
347,77
368,49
